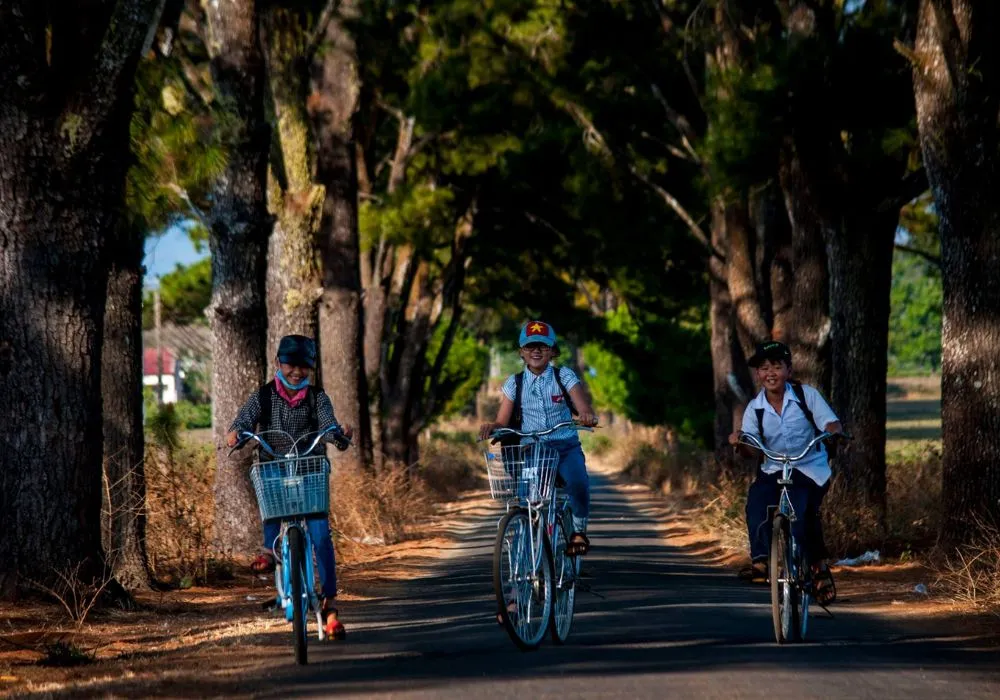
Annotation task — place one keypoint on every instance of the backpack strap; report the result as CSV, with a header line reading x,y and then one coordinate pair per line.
x,y
517,418
264,396
562,388
311,393
800,394
760,425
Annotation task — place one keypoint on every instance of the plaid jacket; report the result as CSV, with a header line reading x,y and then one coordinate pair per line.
x,y
294,421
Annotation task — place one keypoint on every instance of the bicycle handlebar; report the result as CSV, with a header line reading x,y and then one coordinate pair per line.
x,y
752,440
246,436
500,432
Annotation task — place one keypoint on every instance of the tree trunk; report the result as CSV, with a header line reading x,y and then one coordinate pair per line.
x,y
956,77
296,201
860,260
238,236
333,104
721,315
64,151
121,390
809,333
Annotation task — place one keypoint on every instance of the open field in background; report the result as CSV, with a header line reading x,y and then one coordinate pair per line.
x,y
913,408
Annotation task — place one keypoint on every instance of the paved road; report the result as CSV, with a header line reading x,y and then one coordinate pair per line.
x,y
669,625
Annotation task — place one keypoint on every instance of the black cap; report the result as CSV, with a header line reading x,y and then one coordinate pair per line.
x,y
771,350
297,350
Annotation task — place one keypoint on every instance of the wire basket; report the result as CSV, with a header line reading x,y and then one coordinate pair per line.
x,y
522,472
292,488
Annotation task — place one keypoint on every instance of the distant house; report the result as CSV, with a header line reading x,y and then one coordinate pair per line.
x,y
170,376
187,350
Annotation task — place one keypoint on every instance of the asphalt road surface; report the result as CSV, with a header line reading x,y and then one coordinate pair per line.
x,y
668,624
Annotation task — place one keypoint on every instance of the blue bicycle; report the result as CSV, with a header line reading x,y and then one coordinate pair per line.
x,y
292,488
789,572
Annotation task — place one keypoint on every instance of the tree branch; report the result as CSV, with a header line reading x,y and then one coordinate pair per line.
x,y
319,31
910,187
929,257
103,90
672,202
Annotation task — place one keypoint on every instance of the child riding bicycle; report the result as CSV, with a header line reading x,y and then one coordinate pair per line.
x,y
544,396
290,403
786,416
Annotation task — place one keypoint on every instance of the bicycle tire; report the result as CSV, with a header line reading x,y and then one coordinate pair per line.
x,y
784,592
564,572
511,562
296,550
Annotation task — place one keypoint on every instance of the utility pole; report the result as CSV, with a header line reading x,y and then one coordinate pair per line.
x,y
159,346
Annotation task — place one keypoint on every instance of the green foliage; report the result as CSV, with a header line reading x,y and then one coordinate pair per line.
x,y
184,295
915,319
191,416
463,370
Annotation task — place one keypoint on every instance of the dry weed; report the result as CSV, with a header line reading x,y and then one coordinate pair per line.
x,y
971,574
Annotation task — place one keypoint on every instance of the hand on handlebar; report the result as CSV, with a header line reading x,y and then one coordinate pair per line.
x,y
587,419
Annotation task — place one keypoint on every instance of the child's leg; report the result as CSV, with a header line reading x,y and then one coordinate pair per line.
x,y
319,531
817,546
573,470
272,529
763,493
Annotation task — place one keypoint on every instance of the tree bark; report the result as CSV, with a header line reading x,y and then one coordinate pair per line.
x,y
727,406
956,76
121,390
238,236
860,264
63,158
809,334
332,107
296,201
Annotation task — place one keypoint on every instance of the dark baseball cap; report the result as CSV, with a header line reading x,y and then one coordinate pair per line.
x,y
771,350
297,350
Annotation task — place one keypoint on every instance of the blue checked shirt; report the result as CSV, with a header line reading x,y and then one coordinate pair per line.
x,y
542,403
294,421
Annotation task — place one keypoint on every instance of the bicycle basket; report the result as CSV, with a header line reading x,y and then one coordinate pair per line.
x,y
522,472
291,488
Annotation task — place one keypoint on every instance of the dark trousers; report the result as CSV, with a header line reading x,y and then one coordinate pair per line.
x,y
806,498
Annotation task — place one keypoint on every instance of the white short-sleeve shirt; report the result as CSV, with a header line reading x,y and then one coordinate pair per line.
x,y
790,432
542,403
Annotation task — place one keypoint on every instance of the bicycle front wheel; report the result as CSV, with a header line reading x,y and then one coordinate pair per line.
x,y
522,579
784,592
297,574
565,569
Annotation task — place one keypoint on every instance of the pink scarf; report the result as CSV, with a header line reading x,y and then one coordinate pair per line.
x,y
292,399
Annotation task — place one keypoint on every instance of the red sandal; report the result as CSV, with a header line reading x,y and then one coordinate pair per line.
x,y
332,627
263,563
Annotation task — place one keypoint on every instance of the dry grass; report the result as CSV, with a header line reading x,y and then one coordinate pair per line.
x,y
971,575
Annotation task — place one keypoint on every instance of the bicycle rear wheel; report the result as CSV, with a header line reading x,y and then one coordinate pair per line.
x,y
523,586
299,600
563,582
784,592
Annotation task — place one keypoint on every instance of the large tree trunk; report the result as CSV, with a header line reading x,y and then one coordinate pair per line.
x,y
293,270
334,100
63,157
239,229
121,390
860,263
956,77
809,333
722,332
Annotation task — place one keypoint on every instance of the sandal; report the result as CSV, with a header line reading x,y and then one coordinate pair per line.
x,y
755,573
332,626
264,563
578,545
511,612
824,589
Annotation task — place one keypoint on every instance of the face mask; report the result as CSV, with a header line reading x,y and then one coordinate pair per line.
x,y
288,385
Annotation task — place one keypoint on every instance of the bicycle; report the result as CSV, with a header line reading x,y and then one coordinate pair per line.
x,y
789,572
292,488
531,570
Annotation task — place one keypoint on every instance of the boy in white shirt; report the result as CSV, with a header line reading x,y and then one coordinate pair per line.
x,y
786,416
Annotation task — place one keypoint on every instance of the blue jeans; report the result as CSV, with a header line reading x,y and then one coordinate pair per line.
x,y
573,471
319,532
